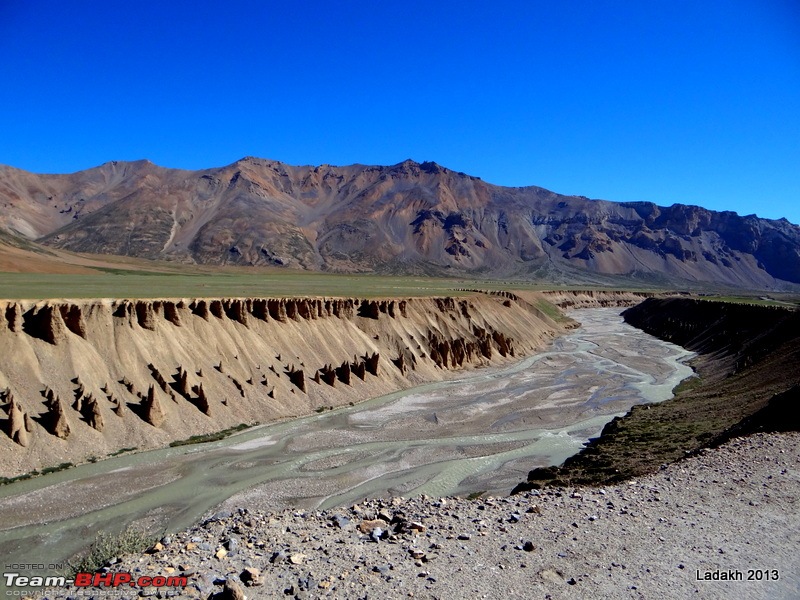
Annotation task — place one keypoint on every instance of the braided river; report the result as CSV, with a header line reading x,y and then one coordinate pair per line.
x,y
480,432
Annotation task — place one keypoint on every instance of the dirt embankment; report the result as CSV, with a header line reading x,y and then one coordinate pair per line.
x,y
595,298
729,509
85,379
747,380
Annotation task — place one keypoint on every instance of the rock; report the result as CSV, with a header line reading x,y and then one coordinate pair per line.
x,y
219,516
278,556
171,313
250,576
340,521
232,591
371,363
45,323
145,315
236,310
297,377
359,369
16,422
231,544
400,363
328,374
90,411
298,558
152,412
201,401
385,515
369,525
56,419
182,383
343,373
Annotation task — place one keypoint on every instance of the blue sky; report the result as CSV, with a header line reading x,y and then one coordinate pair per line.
x,y
664,101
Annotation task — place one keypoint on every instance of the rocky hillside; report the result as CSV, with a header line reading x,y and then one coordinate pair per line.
x,y
405,218
736,336
726,509
87,379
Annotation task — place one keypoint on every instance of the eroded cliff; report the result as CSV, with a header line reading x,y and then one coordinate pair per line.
x,y
595,298
85,379
747,381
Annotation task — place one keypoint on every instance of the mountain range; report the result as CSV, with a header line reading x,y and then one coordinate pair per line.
x,y
409,218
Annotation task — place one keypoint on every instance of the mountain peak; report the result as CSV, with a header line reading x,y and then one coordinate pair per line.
x,y
408,217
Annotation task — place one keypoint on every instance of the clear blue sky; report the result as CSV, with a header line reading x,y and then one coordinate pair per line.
x,y
667,101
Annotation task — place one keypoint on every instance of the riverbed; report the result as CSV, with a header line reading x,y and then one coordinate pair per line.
x,y
481,432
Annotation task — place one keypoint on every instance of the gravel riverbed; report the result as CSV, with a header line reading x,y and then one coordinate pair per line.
x,y
733,510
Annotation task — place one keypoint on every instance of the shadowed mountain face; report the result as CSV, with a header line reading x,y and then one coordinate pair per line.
x,y
406,218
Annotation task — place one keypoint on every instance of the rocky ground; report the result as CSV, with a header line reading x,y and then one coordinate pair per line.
x,y
731,510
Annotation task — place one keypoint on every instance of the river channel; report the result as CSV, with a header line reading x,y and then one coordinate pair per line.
x,y
481,432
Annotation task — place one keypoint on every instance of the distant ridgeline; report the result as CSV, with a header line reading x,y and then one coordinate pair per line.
x,y
409,218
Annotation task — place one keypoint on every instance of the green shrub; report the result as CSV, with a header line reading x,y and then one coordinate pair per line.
x,y
107,546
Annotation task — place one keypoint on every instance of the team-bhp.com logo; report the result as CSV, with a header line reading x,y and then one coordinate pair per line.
x,y
96,580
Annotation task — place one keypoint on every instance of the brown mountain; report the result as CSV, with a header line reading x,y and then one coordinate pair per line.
x,y
405,218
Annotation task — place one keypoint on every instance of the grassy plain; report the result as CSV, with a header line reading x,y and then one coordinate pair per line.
x,y
164,280
785,300
138,284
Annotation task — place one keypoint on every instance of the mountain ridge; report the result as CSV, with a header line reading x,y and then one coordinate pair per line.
x,y
409,217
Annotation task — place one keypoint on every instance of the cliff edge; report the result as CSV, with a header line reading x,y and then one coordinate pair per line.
x,y
747,381
81,380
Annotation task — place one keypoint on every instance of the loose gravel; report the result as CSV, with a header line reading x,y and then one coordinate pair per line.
x,y
731,510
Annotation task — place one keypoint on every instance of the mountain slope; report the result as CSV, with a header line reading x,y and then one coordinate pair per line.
x,y
405,218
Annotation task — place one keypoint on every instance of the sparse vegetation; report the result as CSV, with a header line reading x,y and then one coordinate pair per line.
x,y
35,473
122,451
690,383
789,301
139,278
23,477
551,310
107,546
741,386
210,437
56,468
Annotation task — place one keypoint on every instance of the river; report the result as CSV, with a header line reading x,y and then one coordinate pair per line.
x,y
481,432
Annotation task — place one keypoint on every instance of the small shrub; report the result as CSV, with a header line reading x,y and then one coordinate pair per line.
x,y
122,451
210,437
107,546
56,468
